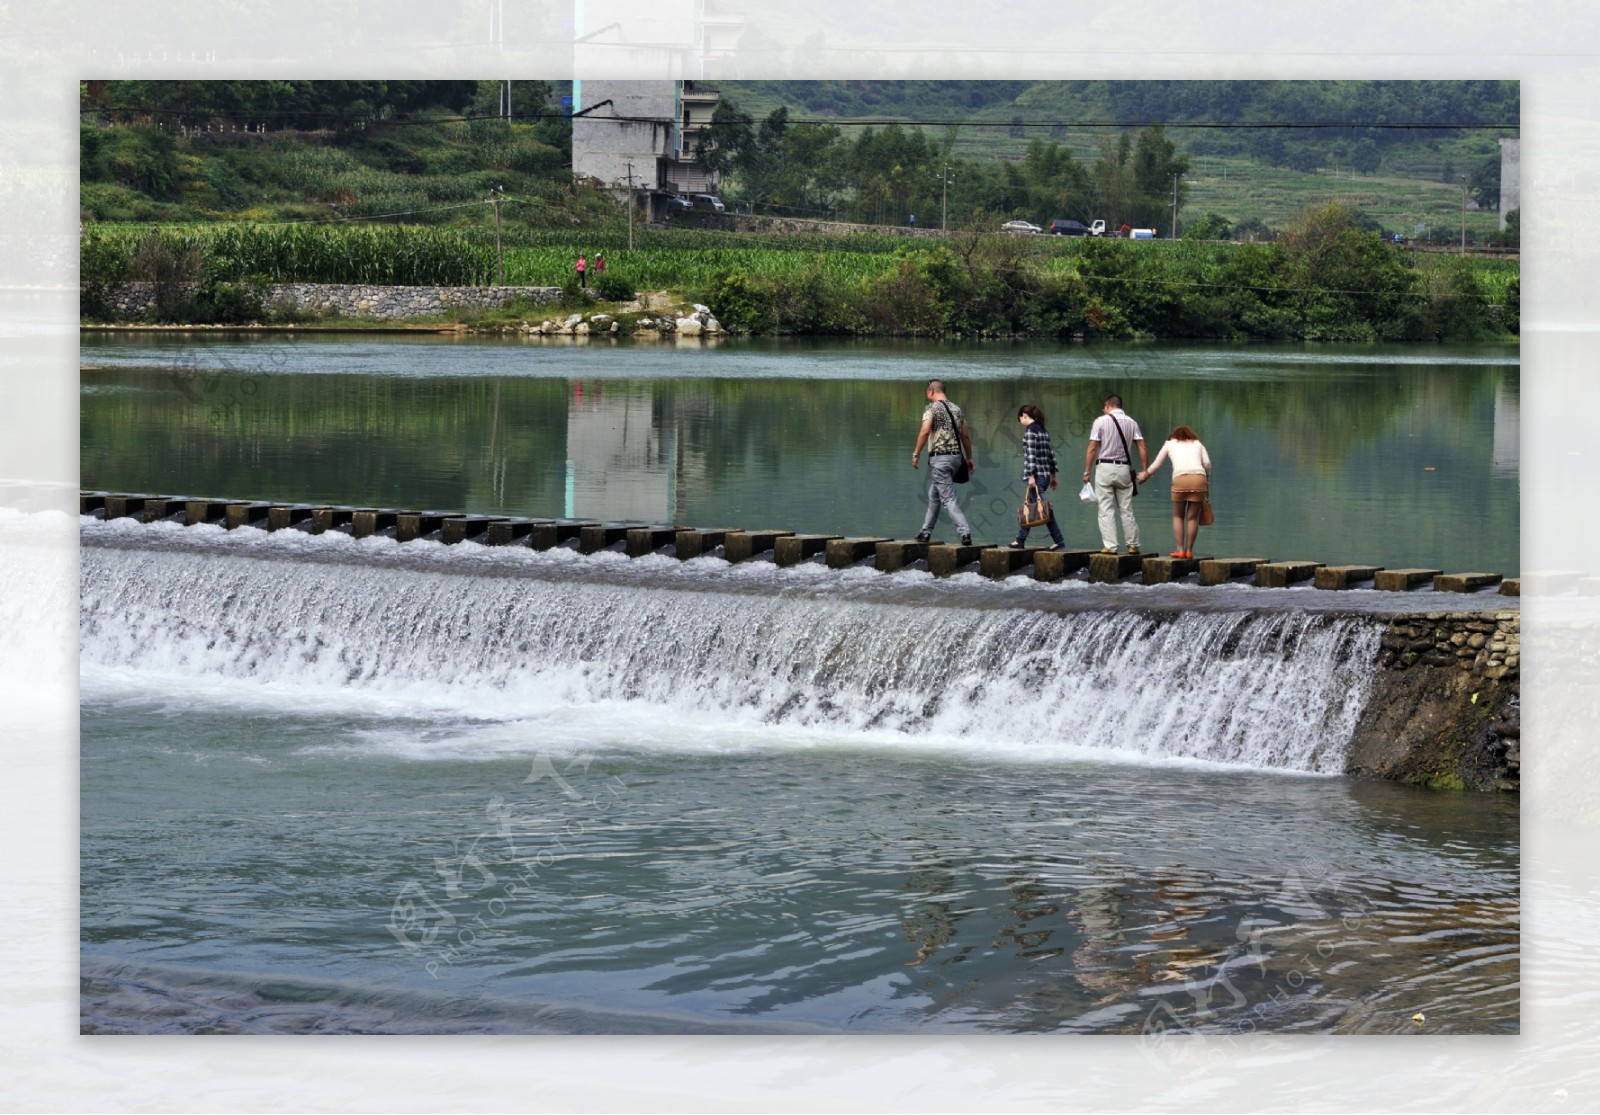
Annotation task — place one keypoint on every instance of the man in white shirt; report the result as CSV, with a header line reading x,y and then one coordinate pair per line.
x,y
1108,464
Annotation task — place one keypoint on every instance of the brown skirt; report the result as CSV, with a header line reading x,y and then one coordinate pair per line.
x,y
1189,488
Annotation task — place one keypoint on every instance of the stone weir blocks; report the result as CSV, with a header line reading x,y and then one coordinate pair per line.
x,y
646,540
1336,577
508,532
238,515
792,549
1168,570
594,537
842,553
742,545
460,528
1399,580
999,562
550,533
1054,565
283,516
1219,571
1108,569
789,548
693,543
369,521
887,557
1282,574
944,560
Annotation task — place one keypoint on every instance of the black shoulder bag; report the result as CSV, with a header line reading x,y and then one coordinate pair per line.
x,y
962,474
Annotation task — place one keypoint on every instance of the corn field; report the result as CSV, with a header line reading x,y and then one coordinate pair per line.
x,y
383,255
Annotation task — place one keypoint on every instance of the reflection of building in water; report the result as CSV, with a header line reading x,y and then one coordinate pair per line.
x,y
621,450
1506,456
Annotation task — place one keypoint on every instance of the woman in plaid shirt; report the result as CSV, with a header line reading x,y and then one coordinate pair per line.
x,y
1038,468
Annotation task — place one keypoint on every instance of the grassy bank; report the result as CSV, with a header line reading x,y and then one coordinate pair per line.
x,y
1326,279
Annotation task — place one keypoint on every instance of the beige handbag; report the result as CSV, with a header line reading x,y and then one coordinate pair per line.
x,y
1035,510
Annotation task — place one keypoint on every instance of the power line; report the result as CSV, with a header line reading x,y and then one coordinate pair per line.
x,y
840,122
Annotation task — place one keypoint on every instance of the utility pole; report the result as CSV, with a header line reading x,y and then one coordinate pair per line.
x,y
944,201
494,197
1174,206
630,205
1463,214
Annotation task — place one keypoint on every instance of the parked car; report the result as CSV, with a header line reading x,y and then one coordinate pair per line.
x,y
1068,228
678,201
708,201
1026,227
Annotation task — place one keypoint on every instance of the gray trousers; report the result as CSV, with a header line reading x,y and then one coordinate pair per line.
x,y
1113,490
942,491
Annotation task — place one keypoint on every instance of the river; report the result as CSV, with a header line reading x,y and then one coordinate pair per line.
x,y
332,785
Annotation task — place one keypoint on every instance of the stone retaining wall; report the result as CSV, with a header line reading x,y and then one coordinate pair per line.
x,y
1446,710
349,300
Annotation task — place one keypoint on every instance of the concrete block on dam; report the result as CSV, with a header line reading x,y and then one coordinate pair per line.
x,y
742,545
411,525
121,506
944,559
1109,569
792,549
594,537
90,502
999,562
1336,577
1399,580
197,511
283,516
646,540
1167,570
550,533
697,543
842,553
700,541
897,554
1054,565
160,508
324,519
1511,586
1282,574
1219,571
369,521
508,532
1465,582
237,515
459,528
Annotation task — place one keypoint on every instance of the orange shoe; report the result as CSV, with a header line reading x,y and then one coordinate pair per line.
x,y
1177,554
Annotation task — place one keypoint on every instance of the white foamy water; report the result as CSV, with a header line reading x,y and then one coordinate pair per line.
x,y
311,631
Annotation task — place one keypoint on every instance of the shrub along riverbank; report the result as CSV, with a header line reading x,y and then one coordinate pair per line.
x,y
1324,280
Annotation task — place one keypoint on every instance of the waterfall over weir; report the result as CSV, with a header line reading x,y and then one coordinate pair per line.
x,y
1266,689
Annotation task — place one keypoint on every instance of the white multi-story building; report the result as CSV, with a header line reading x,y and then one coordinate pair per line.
x,y
641,135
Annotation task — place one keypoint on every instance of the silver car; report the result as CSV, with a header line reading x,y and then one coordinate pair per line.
x,y
1020,227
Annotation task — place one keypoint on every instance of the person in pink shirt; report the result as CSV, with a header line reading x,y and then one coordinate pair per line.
x,y
583,271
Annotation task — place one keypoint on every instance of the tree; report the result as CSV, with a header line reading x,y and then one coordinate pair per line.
x,y
1484,183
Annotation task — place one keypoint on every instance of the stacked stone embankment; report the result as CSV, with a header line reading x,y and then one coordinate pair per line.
x,y
132,301
1446,708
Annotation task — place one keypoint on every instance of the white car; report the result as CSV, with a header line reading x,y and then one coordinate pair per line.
x,y
1020,226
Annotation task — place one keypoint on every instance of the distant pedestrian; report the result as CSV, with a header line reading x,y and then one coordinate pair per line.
x,y
599,265
944,432
1191,484
1108,463
913,220
583,272
1038,469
